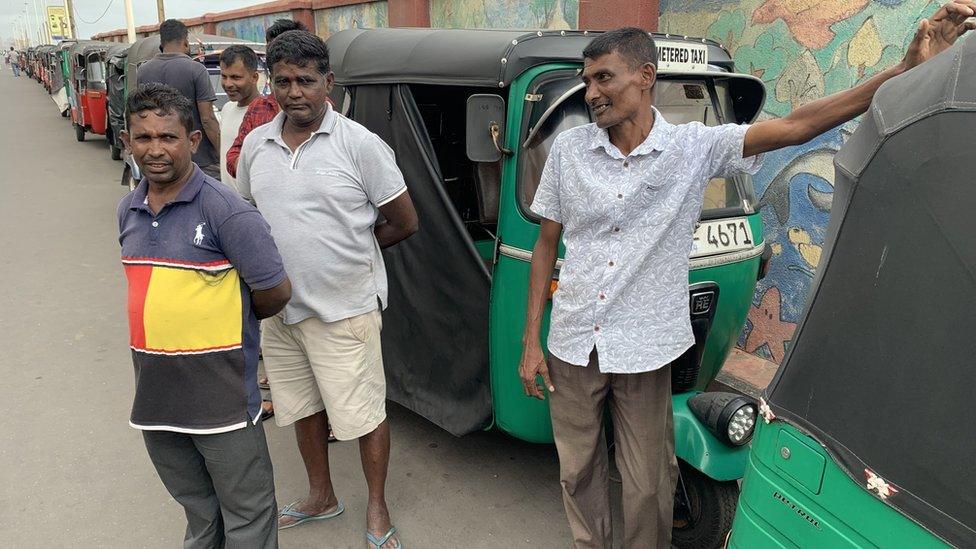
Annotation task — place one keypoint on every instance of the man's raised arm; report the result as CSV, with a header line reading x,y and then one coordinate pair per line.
x,y
934,35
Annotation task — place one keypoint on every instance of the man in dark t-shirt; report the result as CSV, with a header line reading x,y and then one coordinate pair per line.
x,y
173,67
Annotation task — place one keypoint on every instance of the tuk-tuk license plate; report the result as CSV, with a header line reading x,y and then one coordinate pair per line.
x,y
722,236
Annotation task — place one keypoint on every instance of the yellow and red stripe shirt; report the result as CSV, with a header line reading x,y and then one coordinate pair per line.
x,y
191,268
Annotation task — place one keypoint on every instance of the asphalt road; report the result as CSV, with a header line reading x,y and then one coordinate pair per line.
x,y
73,474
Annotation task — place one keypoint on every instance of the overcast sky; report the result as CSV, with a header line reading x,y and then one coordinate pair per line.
x,y
87,12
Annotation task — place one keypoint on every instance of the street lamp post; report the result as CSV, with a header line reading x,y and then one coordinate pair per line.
x,y
130,23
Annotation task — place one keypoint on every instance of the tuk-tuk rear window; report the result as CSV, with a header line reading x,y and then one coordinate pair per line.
x,y
561,108
95,71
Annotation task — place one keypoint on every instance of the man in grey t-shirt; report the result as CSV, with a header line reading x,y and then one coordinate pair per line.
x,y
174,67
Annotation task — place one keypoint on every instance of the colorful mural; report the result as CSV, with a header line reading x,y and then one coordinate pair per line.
x,y
369,15
504,14
250,28
802,50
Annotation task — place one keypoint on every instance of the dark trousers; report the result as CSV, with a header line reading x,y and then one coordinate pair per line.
x,y
224,483
643,432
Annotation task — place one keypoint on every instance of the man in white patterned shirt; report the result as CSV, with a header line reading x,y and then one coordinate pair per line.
x,y
625,193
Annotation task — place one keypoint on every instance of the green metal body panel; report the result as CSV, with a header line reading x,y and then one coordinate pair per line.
x,y
527,418
779,508
486,248
66,73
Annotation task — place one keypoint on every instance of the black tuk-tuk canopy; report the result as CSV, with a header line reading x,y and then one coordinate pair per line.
x,y
493,58
116,53
881,368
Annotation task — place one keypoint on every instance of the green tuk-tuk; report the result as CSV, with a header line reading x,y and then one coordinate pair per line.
x,y
61,76
868,439
205,48
471,115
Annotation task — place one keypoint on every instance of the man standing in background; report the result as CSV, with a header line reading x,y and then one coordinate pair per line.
x,y
173,67
263,109
14,58
239,78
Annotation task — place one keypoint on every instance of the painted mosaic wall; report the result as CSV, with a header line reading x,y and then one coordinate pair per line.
x,y
250,28
802,50
517,14
368,15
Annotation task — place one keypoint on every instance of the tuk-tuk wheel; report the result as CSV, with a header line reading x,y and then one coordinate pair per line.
x,y
703,509
79,132
64,114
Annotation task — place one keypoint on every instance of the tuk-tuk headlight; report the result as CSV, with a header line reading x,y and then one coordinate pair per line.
x,y
730,417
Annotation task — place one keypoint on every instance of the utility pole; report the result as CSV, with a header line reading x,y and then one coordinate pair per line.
x,y
41,34
160,10
130,22
31,31
70,8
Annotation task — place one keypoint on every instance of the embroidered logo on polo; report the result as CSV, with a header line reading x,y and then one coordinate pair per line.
x,y
198,235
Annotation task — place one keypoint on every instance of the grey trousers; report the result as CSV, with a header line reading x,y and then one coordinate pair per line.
x,y
224,483
643,431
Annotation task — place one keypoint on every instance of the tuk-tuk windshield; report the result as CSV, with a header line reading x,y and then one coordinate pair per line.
x,y
562,107
95,71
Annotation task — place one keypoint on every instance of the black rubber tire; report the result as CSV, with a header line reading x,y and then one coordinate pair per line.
x,y
64,114
712,508
79,132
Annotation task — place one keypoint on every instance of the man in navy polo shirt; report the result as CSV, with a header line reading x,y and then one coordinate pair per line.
x,y
202,269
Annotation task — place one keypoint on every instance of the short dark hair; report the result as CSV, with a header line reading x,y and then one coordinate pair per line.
x,y
172,30
239,51
280,26
299,48
635,45
153,96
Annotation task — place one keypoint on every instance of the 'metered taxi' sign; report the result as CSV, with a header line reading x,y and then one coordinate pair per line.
x,y
681,56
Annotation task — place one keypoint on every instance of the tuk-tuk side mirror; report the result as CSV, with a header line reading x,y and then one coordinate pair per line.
x,y
484,137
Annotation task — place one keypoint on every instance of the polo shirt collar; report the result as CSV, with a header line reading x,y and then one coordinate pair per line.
x,y
655,141
140,196
327,126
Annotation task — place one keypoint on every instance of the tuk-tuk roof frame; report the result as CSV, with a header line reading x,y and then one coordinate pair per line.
x,y
472,57
492,58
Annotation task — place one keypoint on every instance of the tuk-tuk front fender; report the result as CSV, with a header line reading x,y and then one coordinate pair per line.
x,y
698,447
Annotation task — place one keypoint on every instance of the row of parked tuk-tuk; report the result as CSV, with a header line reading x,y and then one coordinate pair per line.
x,y
89,82
849,450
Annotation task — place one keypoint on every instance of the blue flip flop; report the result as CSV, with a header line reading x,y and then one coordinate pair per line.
x,y
289,511
379,541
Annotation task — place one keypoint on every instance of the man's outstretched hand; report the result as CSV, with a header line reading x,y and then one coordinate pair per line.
x,y
937,33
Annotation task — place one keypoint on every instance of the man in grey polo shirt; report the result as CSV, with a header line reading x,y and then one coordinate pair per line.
x,y
321,181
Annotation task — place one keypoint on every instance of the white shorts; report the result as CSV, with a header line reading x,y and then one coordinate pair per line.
x,y
333,366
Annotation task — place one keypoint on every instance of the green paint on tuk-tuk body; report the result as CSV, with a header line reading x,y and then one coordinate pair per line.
x,y
795,494
527,418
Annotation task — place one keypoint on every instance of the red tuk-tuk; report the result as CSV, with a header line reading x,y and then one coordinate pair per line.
x,y
88,97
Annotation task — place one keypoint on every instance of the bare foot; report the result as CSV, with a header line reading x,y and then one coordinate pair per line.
x,y
309,507
378,523
267,407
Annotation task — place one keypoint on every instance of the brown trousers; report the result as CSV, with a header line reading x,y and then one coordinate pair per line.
x,y
643,431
